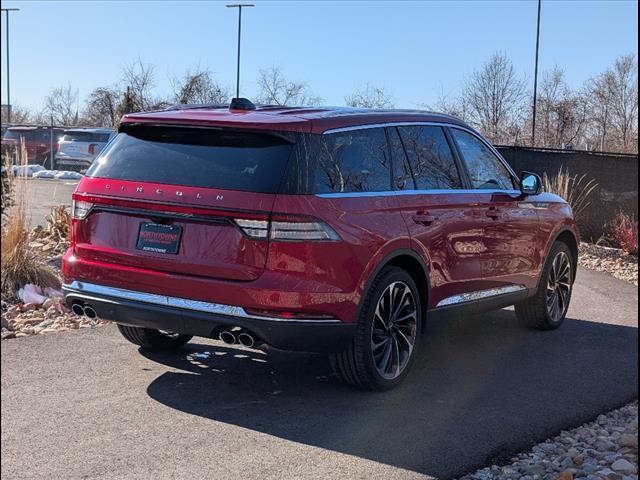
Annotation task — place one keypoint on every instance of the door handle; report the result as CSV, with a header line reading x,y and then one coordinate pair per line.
x,y
493,213
423,218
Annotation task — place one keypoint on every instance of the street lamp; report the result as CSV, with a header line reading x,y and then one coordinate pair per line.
x,y
535,81
239,7
7,10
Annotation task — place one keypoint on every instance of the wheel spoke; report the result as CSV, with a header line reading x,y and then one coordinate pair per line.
x,y
396,362
386,357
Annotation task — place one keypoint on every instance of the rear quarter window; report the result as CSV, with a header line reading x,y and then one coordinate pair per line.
x,y
342,162
197,157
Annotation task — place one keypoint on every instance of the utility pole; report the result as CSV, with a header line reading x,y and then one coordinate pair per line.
x,y
535,80
239,7
7,10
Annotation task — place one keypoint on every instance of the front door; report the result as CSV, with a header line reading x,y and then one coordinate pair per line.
x,y
509,219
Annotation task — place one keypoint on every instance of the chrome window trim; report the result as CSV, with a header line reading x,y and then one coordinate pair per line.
x,y
177,302
432,124
393,193
479,295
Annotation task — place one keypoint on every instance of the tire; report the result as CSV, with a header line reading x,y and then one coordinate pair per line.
x,y
153,340
538,311
362,364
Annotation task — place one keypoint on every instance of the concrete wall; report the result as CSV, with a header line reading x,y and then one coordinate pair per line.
x,y
616,174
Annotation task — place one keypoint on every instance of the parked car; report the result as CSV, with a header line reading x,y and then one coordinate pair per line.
x,y
37,140
312,229
80,146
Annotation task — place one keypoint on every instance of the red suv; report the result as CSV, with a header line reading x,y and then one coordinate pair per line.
x,y
312,229
37,142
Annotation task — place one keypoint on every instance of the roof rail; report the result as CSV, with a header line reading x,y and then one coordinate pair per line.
x,y
195,106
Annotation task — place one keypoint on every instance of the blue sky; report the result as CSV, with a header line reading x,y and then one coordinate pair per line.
x,y
416,50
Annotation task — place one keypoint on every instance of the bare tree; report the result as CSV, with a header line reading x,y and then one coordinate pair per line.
x,y
370,97
613,106
19,114
101,107
199,86
139,78
622,81
62,105
493,95
275,89
450,105
562,113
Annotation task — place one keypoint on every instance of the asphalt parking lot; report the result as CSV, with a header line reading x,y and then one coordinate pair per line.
x,y
42,195
87,404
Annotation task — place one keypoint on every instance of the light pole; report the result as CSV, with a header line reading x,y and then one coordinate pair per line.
x,y
239,7
535,81
7,10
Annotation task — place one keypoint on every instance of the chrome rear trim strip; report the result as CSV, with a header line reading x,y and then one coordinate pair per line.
x,y
183,303
479,295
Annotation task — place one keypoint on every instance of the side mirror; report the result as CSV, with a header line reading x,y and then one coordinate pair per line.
x,y
530,183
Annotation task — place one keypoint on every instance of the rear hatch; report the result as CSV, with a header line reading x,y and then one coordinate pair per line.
x,y
82,143
184,200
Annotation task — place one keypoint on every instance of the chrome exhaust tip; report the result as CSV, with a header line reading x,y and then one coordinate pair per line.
x,y
89,312
246,340
227,337
77,309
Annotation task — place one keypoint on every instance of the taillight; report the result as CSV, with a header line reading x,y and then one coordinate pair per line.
x,y
287,231
80,209
92,148
299,231
257,229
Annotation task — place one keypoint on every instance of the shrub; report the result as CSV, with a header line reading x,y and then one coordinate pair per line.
x,y
59,224
7,184
575,190
624,231
19,263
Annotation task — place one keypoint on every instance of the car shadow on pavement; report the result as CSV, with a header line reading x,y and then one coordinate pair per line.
x,y
482,389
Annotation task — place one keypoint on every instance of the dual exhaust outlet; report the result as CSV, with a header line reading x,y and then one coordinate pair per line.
x,y
231,337
84,310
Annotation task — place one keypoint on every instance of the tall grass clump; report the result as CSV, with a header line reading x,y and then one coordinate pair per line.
x,y
576,190
19,263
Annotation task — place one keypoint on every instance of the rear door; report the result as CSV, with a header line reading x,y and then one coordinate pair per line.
x,y
509,228
193,201
438,211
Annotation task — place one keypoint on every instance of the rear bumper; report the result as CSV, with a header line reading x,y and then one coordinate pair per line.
x,y
64,160
207,319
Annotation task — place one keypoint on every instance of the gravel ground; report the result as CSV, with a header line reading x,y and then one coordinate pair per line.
x,y
604,449
21,320
610,260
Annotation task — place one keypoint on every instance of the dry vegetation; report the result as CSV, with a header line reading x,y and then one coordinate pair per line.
x,y
576,190
20,264
624,232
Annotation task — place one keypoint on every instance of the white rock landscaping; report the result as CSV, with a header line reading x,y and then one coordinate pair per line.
x,y
604,449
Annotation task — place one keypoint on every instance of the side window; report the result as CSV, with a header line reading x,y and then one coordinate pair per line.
x,y
486,171
355,161
431,165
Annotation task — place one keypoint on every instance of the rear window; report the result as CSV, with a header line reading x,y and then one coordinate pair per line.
x,y
85,137
196,157
29,135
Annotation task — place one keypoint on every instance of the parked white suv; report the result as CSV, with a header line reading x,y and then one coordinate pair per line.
x,y
78,147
